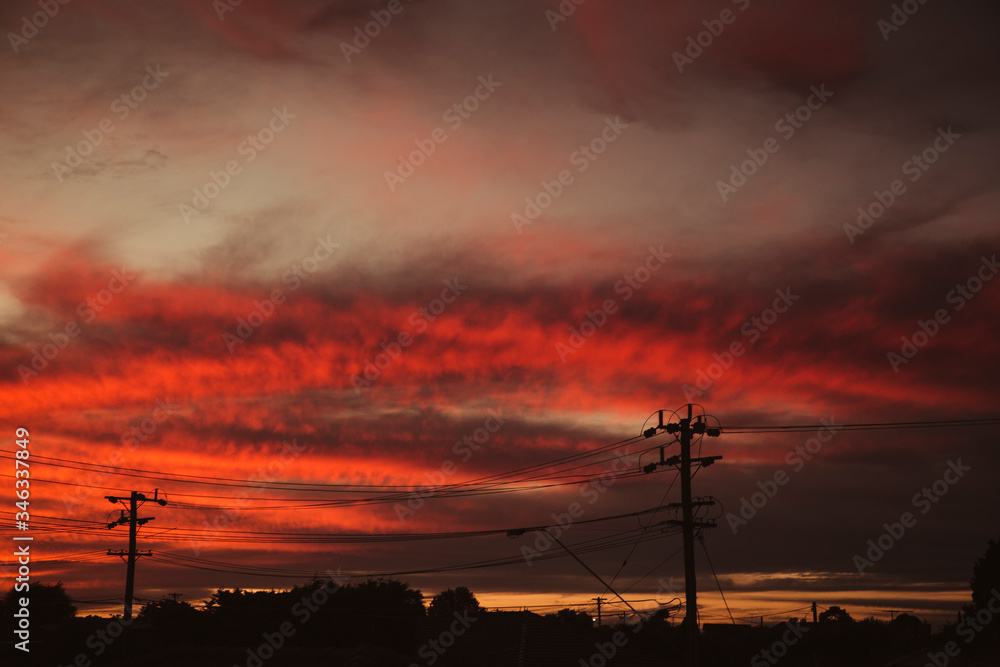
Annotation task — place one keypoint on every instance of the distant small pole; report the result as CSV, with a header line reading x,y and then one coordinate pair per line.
x,y
599,601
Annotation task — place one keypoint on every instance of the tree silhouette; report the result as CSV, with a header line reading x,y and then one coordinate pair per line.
x,y
574,619
169,614
985,585
383,596
239,616
835,614
986,575
454,600
384,612
907,628
50,603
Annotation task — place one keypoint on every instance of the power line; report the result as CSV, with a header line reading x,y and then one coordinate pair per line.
x,y
428,491
717,582
632,550
557,471
507,482
486,485
507,476
658,566
228,535
872,426
584,546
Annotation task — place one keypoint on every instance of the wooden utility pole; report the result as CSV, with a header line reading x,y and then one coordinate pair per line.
x,y
132,519
687,428
690,581
599,601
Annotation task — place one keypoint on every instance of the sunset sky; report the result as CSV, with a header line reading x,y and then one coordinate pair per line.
x,y
288,273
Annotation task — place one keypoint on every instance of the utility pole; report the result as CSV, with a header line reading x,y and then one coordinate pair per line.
x,y
814,613
690,581
599,601
132,519
687,428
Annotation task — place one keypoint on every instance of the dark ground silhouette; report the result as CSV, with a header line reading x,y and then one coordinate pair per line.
x,y
384,622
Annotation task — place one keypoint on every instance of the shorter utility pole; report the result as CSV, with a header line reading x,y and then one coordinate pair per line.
x,y
814,613
130,516
599,601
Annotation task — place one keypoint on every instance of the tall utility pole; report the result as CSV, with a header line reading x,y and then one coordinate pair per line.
x,y
690,581
687,428
132,519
